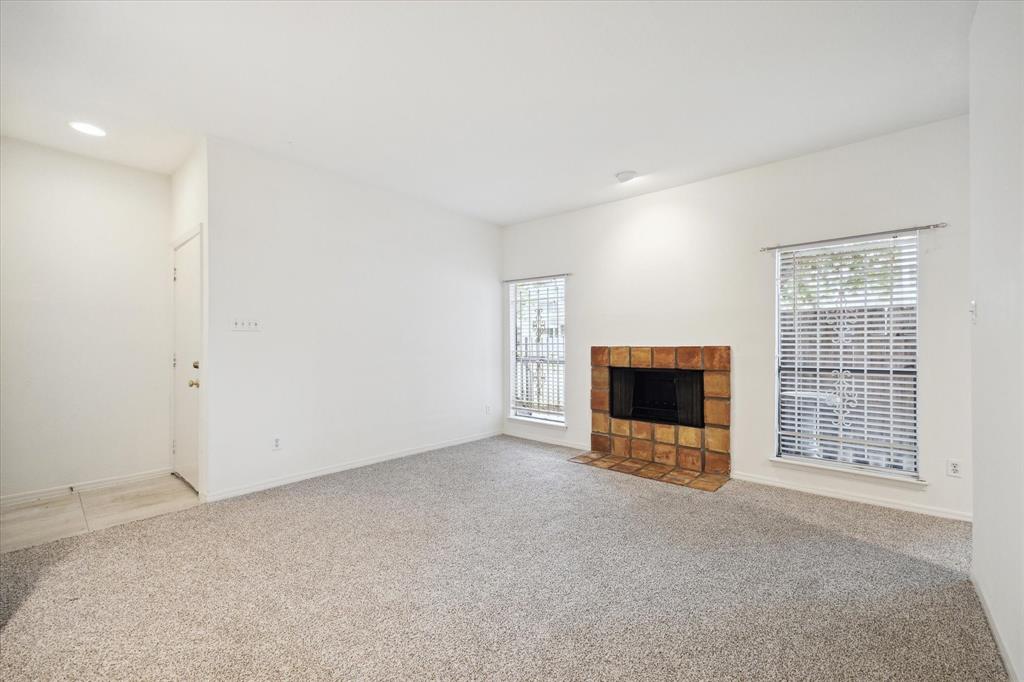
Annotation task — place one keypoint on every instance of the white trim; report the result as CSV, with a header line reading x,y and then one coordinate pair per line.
x,y
180,240
849,470
58,491
550,441
334,468
853,497
541,422
1004,651
31,495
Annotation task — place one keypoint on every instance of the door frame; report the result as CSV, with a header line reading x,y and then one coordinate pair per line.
x,y
197,232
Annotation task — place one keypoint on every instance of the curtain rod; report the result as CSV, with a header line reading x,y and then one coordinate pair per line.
x,y
530,279
917,228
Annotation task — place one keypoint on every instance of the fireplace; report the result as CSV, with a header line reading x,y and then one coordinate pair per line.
x,y
664,396
662,412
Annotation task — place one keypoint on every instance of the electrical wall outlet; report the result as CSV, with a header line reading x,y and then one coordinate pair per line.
x,y
275,444
953,468
487,409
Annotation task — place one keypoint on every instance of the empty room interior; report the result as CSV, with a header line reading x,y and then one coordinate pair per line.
x,y
512,340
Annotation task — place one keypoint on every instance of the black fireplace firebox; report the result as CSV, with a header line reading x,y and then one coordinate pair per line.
x,y
666,396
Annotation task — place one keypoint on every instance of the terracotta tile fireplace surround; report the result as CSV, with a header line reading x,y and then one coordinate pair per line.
x,y
694,456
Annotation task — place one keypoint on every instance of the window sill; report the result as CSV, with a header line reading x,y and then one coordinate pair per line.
x,y
850,471
541,422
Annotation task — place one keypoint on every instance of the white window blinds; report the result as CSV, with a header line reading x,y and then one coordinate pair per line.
x,y
537,309
847,353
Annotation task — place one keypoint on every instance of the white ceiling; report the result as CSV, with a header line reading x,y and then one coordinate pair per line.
x,y
504,111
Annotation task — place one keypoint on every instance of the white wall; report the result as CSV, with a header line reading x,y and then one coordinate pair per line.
x,y
997,284
85,325
683,267
189,194
381,323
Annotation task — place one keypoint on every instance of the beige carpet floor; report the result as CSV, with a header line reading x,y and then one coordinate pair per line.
x,y
501,560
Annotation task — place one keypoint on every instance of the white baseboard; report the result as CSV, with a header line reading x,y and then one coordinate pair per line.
x,y
779,483
57,491
334,468
1000,642
853,497
550,441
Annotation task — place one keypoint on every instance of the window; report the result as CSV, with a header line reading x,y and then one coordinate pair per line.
x,y
847,354
537,309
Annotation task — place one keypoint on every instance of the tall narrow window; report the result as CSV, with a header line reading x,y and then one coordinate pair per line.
x,y
537,309
847,354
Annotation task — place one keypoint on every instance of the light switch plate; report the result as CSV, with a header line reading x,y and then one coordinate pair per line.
x,y
246,324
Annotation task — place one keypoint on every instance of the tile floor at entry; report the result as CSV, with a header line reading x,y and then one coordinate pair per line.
x,y
25,524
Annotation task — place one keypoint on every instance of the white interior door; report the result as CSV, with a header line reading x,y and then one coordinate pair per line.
x,y
187,348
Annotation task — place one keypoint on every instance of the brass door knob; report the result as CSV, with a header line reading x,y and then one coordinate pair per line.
x,y
195,364
192,383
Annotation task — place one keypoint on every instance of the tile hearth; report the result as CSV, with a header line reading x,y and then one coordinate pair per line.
x,y
653,470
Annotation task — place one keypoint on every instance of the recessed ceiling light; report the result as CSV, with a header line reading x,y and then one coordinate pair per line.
x,y
88,129
626,176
